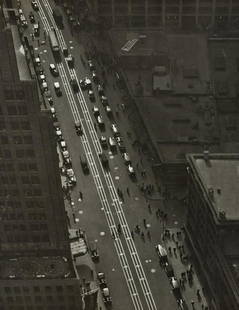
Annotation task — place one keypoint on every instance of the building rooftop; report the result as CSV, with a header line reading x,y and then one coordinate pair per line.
x,y
47,267
24,73
219,174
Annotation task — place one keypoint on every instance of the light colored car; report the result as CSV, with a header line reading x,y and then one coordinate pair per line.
x,y
42,77
57,88
53,70
126,158
71,175
115,130
91,95
160,250
44,86
37,61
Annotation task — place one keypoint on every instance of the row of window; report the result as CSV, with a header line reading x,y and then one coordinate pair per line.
x,y
25,179
36,289
40,299
60,307
20,153
28,192
14,94
23,227
16,139
26,237
23,166
16,124
10,204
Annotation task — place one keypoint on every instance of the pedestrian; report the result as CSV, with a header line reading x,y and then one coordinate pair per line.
x,y
170,250
149,235
173,237
81,195
95,126
149,208
132,234
128,191
38,42
192,303
142,236
145,224
174,251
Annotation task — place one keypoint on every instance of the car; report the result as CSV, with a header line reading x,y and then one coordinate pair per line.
x,y
169,270
31,18
74,85
71,176
108,111
78,128
96,111
53,113
115,130
65,51
23,21
42,78
126,158
35,5
85,84
100,122
36,30
84,164
20,12
101,278
44,86
162,253
53,70
100,90
57,89
121,145
58,133
50,101
112,144
95,77
104,160
62,144
91,95
38,68
131,172
106,295
91,65
103,142
37,61
70,60
104,100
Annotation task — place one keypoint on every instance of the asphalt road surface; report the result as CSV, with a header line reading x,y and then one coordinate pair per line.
x,y
132,269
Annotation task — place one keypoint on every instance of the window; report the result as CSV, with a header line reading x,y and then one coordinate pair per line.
x,y
27,139
36,289
32,167
59,289
12,110
22,110
8,94
17,290
7,290
20,95
9,167
30,153
22,166
2,124
14,125
4,140
20,153
25,179
12,179
25,125
7,154
35,179
17,139
38,299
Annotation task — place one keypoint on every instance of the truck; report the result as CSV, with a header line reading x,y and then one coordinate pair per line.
x,y
58,17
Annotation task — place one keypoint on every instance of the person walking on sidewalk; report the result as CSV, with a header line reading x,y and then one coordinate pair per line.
x,y
128,192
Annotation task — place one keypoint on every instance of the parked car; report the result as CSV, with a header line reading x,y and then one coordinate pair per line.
x,y
162,253
91,65
126,158
169,270
71,176
31,18
37,61
70,60
96,111
95,77
91,95
104,100
121,145
57,89
44,86
115,130
23,21
53,70
112,145
131,172
100,90
36,30
109,112
85,84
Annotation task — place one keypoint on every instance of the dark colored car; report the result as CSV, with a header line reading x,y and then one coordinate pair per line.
x,y
78,128
84,164
74,85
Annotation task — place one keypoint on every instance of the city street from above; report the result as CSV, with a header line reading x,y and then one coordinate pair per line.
x,y
119,155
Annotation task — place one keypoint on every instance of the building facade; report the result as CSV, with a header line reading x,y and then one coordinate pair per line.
x,y
32,208
161,13
213,225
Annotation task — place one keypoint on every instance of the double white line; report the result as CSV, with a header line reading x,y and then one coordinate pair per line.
x,y
108,179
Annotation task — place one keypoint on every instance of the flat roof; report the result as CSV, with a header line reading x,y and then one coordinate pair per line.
x,y
23,70
220,175
46,267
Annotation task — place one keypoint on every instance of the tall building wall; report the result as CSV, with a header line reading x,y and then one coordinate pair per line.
x,y
32,207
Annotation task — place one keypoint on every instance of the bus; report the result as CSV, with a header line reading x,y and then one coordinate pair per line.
x,y
53,42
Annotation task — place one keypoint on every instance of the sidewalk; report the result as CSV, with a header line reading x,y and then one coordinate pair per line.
x,y
192,291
